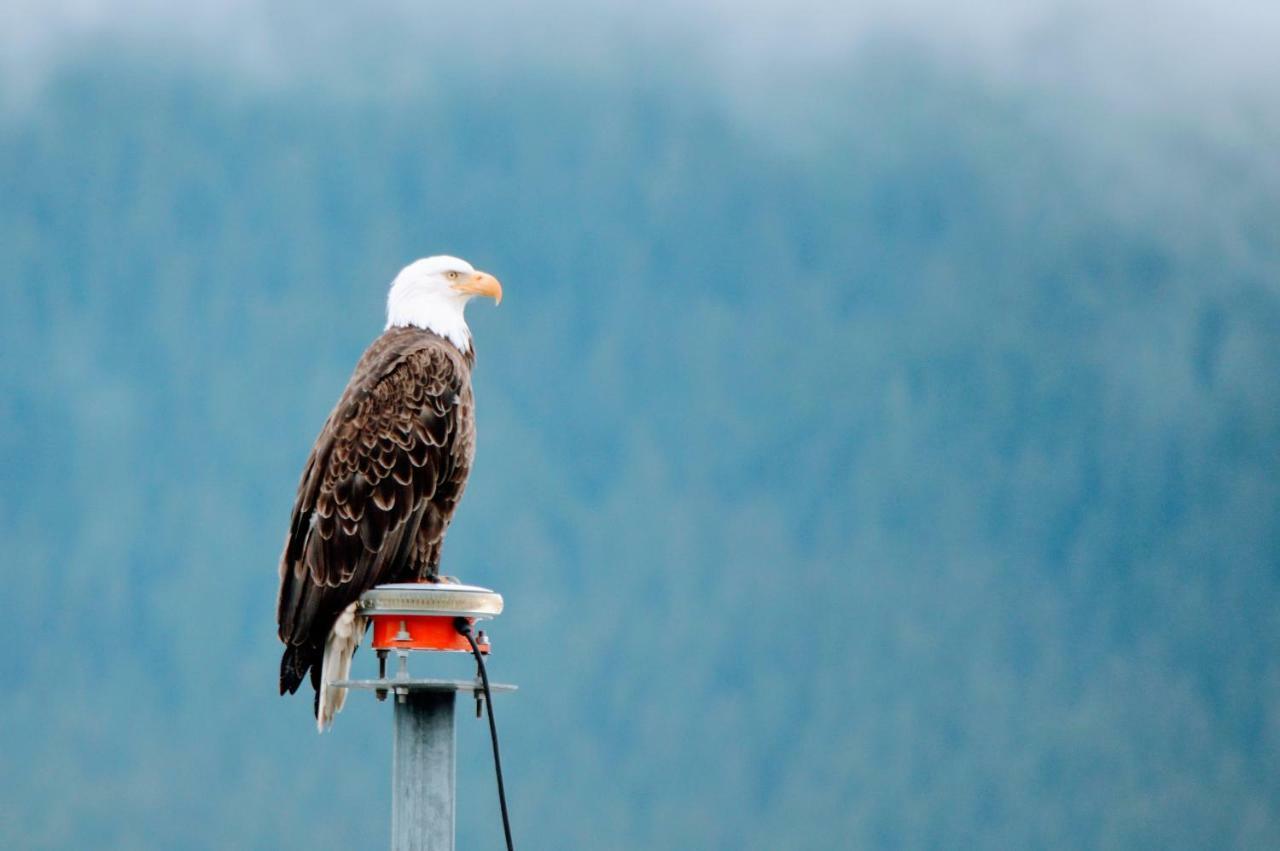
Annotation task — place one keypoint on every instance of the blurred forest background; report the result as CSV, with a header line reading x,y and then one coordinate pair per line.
x,y
880,438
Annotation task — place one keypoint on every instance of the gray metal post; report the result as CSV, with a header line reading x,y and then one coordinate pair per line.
x,y
422,772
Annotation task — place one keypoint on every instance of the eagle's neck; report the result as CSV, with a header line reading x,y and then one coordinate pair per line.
x,y
441,314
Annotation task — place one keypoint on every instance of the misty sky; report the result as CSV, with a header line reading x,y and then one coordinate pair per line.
x,y
1170,56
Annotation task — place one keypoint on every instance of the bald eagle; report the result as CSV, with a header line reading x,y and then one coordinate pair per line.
x,y
384,477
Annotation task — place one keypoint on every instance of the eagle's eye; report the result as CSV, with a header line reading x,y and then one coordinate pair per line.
x,y
453,276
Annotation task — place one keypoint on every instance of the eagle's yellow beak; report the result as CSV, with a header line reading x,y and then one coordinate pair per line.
x,y
481,283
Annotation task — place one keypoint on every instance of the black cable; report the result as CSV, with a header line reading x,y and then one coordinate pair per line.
x,y
464,626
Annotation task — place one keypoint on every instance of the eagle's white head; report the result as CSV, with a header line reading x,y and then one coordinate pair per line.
x,y
433,292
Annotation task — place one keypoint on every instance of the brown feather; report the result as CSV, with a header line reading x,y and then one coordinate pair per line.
x,y
379,488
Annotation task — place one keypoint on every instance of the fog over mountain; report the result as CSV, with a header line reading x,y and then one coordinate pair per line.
x,y
878,437
1147,52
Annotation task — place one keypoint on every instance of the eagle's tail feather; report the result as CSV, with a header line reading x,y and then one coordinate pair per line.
x,y
341,645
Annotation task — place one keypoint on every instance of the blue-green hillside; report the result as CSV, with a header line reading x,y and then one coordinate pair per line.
x,y
897,469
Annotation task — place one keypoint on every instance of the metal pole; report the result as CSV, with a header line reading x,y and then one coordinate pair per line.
x,y
422,772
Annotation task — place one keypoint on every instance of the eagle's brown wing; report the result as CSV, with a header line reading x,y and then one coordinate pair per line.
x,y
378,490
